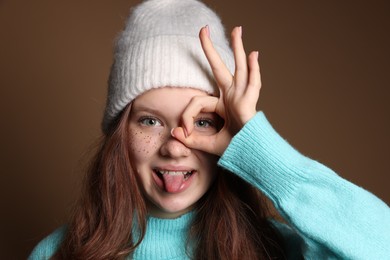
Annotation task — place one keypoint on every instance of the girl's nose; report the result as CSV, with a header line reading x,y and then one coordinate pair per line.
x,y
174,149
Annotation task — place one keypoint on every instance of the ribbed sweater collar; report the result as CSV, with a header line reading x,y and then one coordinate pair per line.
x,y
165,238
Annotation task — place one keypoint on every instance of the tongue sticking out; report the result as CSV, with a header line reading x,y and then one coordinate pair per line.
x,y
173,182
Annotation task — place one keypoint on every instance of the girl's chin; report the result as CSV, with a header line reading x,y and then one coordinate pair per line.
x,y
169,209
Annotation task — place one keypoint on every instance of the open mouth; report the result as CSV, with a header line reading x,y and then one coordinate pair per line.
x,y
173,181
186,174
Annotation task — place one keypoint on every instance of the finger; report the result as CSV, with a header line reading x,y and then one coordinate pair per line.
x,y
221,73
254,83
204,143
197,105
213,144
241,72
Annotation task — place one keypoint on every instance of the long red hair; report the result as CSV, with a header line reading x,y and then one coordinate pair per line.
x,y
230,220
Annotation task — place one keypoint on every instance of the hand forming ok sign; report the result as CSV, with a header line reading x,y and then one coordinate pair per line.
x,y
237,101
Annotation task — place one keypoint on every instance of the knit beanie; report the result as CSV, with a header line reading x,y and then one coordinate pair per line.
x,y
160,47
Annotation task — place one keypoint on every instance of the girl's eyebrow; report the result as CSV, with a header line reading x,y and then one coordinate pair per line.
x,y
142,108
154,111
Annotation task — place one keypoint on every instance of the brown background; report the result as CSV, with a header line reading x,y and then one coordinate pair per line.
x,y
325,67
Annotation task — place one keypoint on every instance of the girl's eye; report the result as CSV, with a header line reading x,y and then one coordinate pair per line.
x,y
204,123
149,121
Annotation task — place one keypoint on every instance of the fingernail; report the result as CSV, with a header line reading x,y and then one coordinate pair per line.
x,y
172,132
257,55
240,30
207,30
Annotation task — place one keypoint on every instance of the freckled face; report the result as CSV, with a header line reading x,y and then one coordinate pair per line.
x,y
172,176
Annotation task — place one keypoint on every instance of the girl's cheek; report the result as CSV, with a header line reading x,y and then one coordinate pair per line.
x,y
144,143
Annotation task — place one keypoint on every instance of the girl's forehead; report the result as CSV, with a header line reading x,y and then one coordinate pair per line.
x,y
166,101
169,93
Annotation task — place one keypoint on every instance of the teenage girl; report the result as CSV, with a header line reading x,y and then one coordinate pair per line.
x,y
186,160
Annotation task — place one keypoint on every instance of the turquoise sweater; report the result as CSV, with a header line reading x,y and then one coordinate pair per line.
x,y
329,217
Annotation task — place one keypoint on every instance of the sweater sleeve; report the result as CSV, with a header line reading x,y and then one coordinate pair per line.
x,y
49,245
333,217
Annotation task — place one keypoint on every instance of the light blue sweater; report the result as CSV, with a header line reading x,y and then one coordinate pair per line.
x,y
329,217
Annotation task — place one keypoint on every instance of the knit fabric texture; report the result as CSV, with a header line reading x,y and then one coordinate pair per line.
x,y
160,47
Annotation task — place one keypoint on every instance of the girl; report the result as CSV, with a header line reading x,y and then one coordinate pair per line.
x,y
186,160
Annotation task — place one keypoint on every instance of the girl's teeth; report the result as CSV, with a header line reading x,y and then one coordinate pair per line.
x,y
186,174
174,172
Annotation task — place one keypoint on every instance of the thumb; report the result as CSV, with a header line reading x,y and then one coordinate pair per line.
x,y
194,141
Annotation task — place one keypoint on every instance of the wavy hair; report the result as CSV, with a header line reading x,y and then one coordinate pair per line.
x,y
230,220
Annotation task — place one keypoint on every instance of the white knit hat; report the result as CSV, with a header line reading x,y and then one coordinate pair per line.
x,y
160,47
